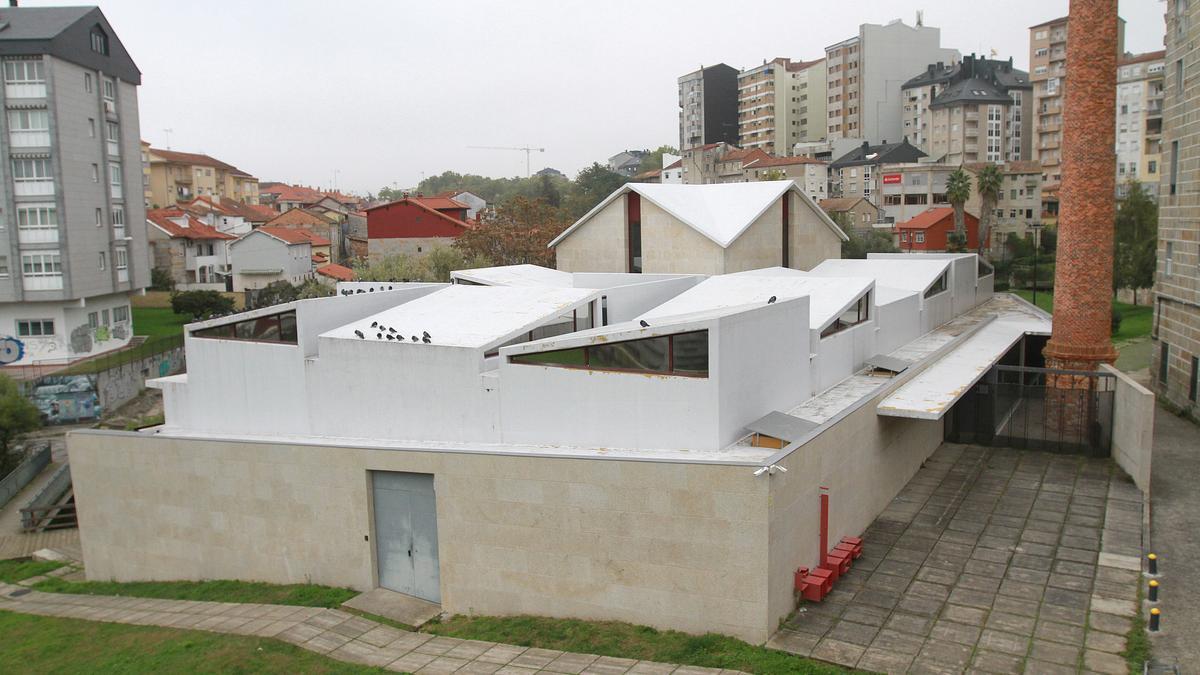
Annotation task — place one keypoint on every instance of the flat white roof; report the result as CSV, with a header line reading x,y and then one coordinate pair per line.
x,y
516,275
719,211
930,394
470,316
908,274
828,297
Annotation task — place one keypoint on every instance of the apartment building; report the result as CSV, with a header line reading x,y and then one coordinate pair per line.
x,y
68,261
183,176
812,175
781,103
1047,72
909,189
864,74
1175,364
699,163
1140,81
857,174
976,110
708,107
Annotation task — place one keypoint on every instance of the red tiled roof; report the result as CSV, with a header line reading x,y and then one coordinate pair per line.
x,y
421,203
439,202
744,155
674,165
294,236
298,217
339,272
837,204
927,218
758,163
291,193
320,258
1139,58
260,212
194,158
196,229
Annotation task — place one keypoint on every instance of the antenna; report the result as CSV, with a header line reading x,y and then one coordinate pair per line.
x,y
920,18
526,149
167,132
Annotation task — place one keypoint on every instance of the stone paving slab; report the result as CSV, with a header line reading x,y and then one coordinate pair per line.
x,y
337,634
989,560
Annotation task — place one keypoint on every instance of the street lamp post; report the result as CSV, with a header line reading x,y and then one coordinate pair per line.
x,y
1037,243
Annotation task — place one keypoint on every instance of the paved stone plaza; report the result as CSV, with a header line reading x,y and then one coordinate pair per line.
x,y
990,560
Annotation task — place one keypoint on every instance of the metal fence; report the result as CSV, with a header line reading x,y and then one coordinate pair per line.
x,y
43,511
25,472
1067,411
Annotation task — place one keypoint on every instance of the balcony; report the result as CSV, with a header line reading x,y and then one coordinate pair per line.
x,y
114,148
29,139
25,90
118,232
971,117
110,107
43,282
37,235
123,275
33,188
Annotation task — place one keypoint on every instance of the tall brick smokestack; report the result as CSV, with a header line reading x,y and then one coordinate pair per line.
x,y
1081,339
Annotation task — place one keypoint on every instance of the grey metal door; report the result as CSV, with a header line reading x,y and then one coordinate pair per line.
x,y
406,542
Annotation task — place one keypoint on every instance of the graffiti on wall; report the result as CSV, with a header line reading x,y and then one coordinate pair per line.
x,y
63,399
11,350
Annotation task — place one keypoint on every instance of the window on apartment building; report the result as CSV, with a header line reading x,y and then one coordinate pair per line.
x,y
95,173
1169,259
1164,357
110,89
99,41
24,72
103,261
91,128
120,314
93,320
1179,78
122,258
857,313
87,82
41,264
99,217
28,120
37,217
891,200
3,267
104,318
1152,166
1174,166
280,328
35,327
916,199
683,354
114,178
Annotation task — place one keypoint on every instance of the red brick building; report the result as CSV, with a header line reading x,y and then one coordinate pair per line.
x,y
414,226
930,230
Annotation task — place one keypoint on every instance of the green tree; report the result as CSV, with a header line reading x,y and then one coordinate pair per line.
x,y
398,267
548,191
988,181
18,416
862,242
591,186
518,233
958,191
1135,241
653,159
275,293
312,288
201,304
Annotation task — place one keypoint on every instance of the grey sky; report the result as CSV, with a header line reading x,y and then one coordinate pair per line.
x,y
385,91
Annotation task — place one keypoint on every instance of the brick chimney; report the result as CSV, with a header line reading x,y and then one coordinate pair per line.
x,y
1081,338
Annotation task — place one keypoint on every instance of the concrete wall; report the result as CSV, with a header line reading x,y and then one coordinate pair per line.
x,y
409,246
1133,427
671,247
864,459
902,318
841,354
599,244
761,245
811,239
680,546
116,386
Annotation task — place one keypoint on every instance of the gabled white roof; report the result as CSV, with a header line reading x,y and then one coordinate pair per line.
x,y
470,316
516,275
719,211
909,275
827,297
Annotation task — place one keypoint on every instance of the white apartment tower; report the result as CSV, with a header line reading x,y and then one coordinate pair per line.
x,y
781,103
72,234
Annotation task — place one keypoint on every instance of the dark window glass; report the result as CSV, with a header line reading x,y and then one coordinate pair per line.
x,y
287,327
1195,378
649,354
279,328
1164,357
266,329
558,357
690,352
937,287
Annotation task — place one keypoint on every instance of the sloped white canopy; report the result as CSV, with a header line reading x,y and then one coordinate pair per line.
x,y
719,211
516,275
909,275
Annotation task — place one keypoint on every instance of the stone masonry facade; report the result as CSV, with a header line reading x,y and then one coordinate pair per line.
x,y
1176,328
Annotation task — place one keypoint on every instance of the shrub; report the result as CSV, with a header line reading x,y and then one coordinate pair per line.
x,y
1116,322
160,280
200,304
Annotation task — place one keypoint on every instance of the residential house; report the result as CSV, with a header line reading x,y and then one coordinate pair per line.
x,y
326,225
673,172
729,165
414,226
194,253
851,212
268,254
284,197
699,164
781,103
182,176
864,74
476,205
73,249
333,273
856,173
1140,82
971,111
812,175
627,162
708,108
699,229
930,230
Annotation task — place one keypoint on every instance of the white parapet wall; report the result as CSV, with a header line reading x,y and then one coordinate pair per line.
x,y
1132,427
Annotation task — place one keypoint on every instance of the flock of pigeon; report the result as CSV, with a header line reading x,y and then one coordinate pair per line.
x,y
389,333
370,289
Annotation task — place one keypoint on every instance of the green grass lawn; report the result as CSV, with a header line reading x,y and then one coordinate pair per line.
x,y
158,322
162,328
42,644
20,569
304,595
1135,319
613,638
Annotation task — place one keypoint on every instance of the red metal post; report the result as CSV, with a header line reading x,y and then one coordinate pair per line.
x,y
824,523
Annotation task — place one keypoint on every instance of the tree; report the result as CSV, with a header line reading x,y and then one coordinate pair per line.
x,y
275,293
1135,240
548,191
18,416
988,181
652,160
518,233
958,191
591,186
398,267
160,280
201,304
870,241
312,288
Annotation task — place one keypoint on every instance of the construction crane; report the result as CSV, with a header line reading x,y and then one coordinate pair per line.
x,y
527,150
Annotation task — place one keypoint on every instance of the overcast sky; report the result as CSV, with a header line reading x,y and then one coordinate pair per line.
x,y
387,91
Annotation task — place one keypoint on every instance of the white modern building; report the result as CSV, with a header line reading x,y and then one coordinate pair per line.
x,y
72,245
536,441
